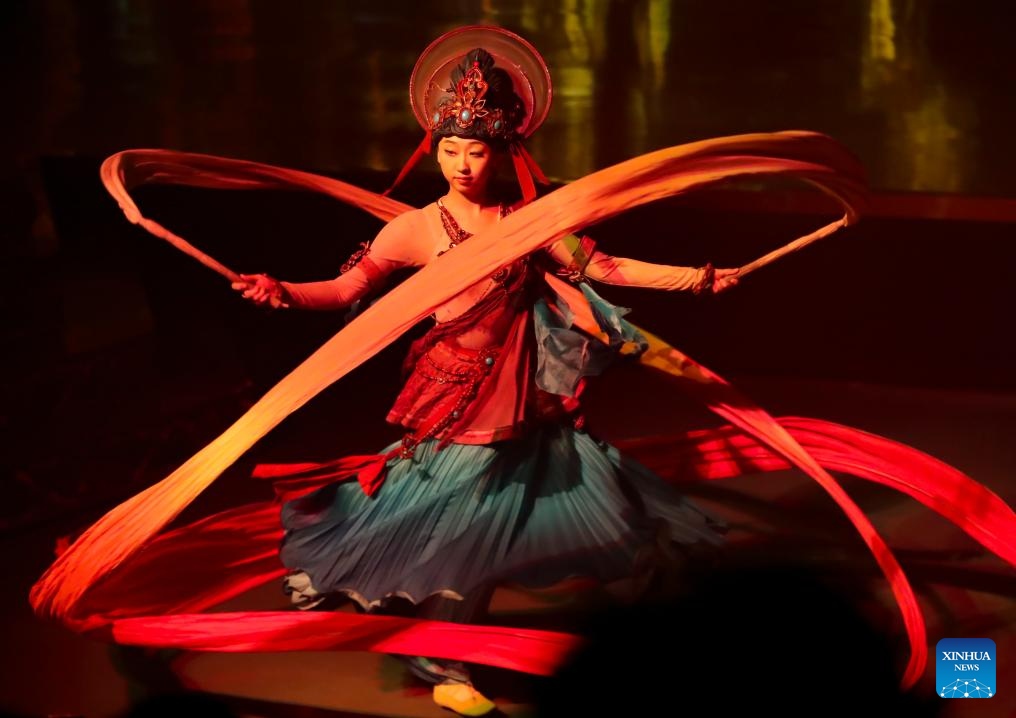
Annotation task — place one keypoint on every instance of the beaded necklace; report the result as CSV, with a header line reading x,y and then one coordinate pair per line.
x,y
455,233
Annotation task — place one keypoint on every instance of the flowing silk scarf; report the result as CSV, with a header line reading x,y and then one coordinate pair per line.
x,y
116,579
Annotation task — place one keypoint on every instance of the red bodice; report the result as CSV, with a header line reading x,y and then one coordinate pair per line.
x,y
480,390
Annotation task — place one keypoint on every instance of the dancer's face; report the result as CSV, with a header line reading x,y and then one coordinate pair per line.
x,y
467,164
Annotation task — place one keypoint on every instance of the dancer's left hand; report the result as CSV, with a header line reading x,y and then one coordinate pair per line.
x,y
724,279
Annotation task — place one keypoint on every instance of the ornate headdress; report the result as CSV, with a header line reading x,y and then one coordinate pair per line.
x,y
485,83
480,103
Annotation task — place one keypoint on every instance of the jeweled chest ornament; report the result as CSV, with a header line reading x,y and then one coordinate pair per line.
x,y
455,233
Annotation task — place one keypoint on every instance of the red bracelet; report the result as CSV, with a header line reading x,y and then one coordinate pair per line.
x,y
706,283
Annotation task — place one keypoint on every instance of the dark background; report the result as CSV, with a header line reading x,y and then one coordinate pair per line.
x,y
122,357
916,294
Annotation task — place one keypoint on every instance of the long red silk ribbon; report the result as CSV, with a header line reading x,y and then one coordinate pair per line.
x,y
422,149
369,472
157,601
531,164
70,587
527,171
530,651
726,401
727,452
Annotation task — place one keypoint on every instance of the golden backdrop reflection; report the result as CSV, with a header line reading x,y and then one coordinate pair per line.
x,y
916,89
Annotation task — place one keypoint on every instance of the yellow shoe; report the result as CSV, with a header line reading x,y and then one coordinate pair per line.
x,y
462,698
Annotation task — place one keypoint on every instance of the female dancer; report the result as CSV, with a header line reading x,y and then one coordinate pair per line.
x,y
495,479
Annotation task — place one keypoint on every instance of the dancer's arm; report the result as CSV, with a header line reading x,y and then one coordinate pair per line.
x,y
580,257
394,247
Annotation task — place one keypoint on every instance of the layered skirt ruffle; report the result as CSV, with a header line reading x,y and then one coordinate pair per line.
x,y
553,504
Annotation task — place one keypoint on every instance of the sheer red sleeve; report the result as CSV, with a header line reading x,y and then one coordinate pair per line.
x,y
397,245
579,258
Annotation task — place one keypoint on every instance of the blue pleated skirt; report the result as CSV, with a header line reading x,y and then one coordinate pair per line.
x,y
553,504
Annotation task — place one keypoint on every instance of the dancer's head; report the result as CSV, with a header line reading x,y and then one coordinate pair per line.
x,y
473,123
479,92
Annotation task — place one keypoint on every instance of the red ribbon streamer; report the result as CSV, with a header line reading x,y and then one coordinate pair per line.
x,y
179,573
523,174
422,149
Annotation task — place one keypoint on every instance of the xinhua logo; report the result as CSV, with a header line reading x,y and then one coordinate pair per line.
x,y
966,668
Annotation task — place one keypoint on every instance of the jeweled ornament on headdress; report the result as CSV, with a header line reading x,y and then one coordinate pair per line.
x,y
476,107
481,69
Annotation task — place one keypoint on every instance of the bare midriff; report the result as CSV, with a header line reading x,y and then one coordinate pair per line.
x,y
489,333
492,327
464,301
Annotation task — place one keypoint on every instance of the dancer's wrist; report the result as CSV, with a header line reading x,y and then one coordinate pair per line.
x,y
704,282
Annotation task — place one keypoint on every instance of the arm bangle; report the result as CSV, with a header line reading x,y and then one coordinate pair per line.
x,y
706,283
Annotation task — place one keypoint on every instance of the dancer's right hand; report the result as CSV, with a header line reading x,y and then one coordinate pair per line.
x,y
262,289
